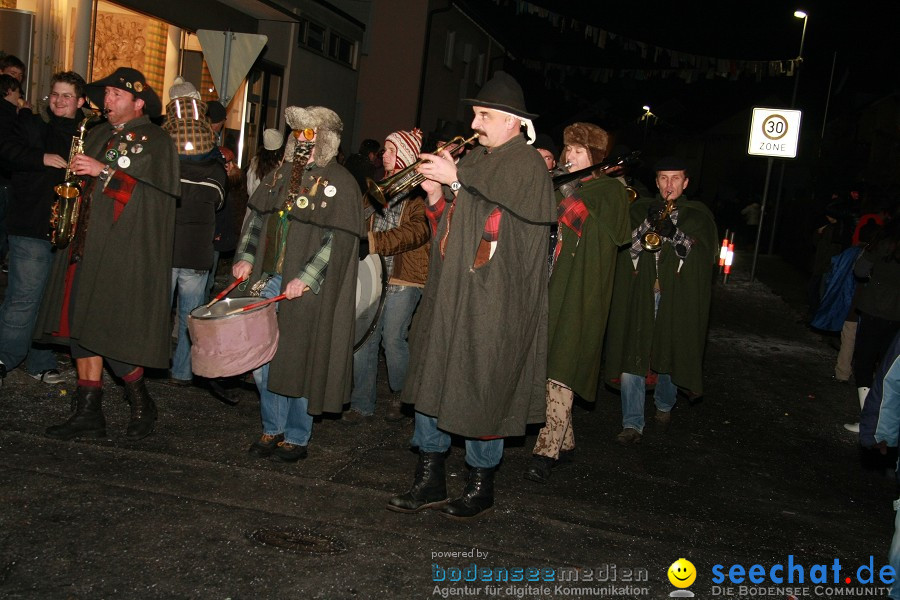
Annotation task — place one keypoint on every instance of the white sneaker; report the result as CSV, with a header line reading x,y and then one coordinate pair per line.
x,y
51,376
854,427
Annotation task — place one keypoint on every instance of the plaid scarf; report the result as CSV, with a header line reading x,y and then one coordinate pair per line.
x,y
384,220
572,213
680,241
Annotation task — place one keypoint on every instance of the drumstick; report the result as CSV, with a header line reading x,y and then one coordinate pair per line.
x,y
224,292
256,305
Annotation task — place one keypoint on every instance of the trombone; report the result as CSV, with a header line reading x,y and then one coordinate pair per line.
x,y
392,189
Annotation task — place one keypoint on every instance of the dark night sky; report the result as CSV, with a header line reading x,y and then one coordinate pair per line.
x,y
864,34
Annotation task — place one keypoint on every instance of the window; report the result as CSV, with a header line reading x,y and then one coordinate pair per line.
x,y
342,49
312,35
322,40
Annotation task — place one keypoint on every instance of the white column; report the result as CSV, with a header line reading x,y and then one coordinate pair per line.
x,y
83,14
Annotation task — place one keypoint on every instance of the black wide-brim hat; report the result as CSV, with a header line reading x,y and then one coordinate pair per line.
x,y
502,92
130,80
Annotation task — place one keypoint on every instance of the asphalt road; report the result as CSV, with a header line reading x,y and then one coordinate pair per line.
x,y
760,471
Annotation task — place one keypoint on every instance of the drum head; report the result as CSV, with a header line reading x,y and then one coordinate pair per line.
x,y
371,287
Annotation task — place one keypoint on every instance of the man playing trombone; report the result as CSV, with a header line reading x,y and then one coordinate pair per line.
x,y
479,340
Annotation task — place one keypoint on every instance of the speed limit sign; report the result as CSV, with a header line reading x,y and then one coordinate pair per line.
x,y
774,132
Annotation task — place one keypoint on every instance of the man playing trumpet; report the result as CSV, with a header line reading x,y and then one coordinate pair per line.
x,y
660,306
479,340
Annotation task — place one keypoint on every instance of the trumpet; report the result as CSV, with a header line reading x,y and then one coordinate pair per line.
x,y
66,208
652,240
392,189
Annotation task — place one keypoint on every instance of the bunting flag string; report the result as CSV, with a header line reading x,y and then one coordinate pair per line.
x,y
667,63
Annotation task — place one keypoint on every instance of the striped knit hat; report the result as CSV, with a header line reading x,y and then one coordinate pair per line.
x,y
409,144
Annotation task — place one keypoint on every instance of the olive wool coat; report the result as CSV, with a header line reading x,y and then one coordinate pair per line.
x,y
674,341
121,305
478,351
581,286
315,348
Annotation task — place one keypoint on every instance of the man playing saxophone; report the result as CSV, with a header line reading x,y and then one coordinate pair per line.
x,y
660,306
108,296
35,152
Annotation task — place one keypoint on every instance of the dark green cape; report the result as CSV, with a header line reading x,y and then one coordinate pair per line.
x,y
581,286
122,306
315,347
479,339
673,342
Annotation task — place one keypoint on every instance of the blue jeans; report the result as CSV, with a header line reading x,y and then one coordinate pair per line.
x,y
281,414
191,286
483,454
30,260
391,332
634,388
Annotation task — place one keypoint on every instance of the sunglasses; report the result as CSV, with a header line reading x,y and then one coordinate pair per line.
x,y
307,133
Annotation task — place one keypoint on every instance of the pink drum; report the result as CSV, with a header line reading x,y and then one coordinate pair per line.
x,y
224,345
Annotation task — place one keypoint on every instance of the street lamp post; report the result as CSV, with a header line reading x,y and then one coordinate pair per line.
x,y
800,15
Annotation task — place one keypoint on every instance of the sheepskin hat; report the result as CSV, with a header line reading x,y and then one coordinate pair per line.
x,y
328,128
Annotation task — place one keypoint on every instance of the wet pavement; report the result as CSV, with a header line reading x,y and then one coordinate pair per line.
x,y
758,470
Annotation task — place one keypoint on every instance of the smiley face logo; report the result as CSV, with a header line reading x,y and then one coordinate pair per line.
x,y
682,573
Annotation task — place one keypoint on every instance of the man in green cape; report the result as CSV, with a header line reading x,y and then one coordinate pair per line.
x,y
660,308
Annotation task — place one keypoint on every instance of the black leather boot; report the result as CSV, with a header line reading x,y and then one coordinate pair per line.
x,y
87,416
143,410
477,499
429,489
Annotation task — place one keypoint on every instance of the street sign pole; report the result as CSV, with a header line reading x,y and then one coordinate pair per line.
x,y
774,132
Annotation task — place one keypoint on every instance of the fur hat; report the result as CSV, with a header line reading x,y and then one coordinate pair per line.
x,y
409,144
186,120
595,139
272,139
328,128
130,80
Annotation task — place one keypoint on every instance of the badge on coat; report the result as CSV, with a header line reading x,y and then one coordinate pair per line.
x,y
330,191
111,155
302,202
124,162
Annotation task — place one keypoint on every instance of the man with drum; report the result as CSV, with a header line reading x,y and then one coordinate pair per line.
x,y
108,294
302,240
479,339
399,232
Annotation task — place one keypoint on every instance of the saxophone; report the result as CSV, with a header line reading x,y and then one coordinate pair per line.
x,y
67,206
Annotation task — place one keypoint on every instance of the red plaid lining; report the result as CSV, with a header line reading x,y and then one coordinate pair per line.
x,y
572,213
492,226
119,188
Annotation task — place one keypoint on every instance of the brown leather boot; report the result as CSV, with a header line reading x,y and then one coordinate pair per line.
x,y
143,410
87,418
394,410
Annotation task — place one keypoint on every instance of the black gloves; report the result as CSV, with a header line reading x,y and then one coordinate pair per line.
x,y
654,211
666,228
